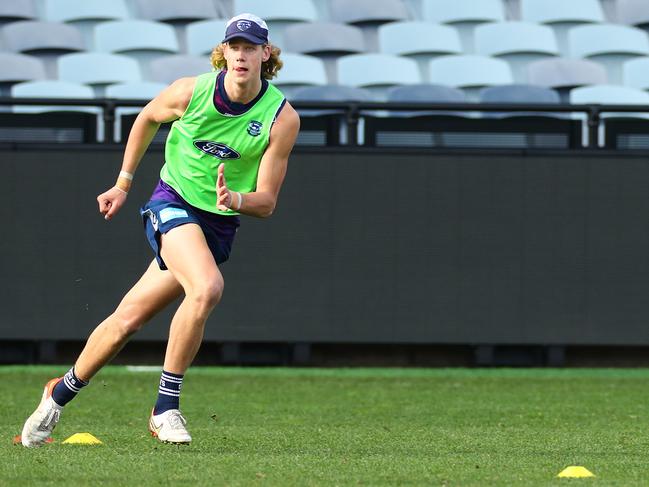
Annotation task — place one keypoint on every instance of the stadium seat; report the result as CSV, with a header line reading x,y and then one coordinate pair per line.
x,y
635,73
425,93
142,90
325,40
321,127
45,40
562,15
279,14
632,12
169,68
377,72
299,71
17,68
85,15
608,44
175,11
57,89
518,43
563,74
518,93
464,15
421,41
204,35
368,15
11,10
98,69
470,72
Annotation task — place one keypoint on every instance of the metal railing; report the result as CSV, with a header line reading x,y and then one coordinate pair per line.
x,y
352,112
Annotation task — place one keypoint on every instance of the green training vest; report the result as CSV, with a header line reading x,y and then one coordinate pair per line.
x,y
203,139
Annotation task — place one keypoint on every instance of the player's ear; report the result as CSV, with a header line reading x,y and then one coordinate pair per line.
x,y
266,54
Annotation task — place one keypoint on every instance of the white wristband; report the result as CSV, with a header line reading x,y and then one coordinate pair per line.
x,y
240,198
126,175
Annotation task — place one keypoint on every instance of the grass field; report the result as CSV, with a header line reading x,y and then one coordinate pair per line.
x,y
312,427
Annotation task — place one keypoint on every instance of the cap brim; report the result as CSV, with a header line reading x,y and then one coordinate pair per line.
x,y
246,37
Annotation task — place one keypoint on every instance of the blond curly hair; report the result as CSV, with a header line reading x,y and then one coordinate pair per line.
x,y
269,68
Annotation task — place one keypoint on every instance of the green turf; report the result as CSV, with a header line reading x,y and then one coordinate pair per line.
x,y
372,427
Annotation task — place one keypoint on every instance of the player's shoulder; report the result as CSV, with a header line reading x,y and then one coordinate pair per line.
x,y
288,118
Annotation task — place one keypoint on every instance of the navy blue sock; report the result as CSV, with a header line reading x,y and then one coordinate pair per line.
x,y
67,388
168,392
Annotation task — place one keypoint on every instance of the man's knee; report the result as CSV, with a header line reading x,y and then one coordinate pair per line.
x,y
207,293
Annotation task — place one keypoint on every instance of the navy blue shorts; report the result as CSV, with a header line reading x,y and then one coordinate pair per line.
x,y
160,216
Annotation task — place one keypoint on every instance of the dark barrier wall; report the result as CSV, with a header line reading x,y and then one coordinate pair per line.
x,y
364,247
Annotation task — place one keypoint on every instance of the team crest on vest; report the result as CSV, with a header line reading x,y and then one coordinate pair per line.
x,y
243,25
254,128
216,149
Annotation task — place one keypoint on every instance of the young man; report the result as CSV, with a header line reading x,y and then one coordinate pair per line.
x,y
226,155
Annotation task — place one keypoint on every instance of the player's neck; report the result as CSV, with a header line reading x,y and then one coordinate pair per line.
x,y
241,92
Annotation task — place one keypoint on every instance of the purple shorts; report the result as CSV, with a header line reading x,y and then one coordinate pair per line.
x,y
166,210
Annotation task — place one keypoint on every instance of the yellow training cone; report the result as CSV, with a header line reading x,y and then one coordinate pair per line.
x,y
575,472
82,439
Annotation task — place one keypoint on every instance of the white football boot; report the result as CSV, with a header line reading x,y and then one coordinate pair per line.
x,y
169,427
39,425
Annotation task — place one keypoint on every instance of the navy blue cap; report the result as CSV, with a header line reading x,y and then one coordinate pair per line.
x,y
248,27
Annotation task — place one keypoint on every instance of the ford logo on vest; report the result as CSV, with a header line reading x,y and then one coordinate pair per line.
x,y
216,149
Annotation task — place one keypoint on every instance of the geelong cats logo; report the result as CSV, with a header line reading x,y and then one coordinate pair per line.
x,y
216,149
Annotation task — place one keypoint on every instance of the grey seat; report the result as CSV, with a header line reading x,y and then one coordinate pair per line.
x,y
11,10
464,15
635,73
98,69
279,14
332,93
175,11
563,74
325,40
46,40
633,12
426,93
169,68
134,90
17,68
519,94
368,14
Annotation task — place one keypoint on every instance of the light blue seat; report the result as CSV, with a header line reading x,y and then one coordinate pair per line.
x,y
170,68
12,10
175,11
98,69
470,72
17,68
421,41
377,72
608,44
518,43
203,36
464,15
52,89
562,15
142,90
332,93
300,70
142,40
279,14
635,73
632,12
86,14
